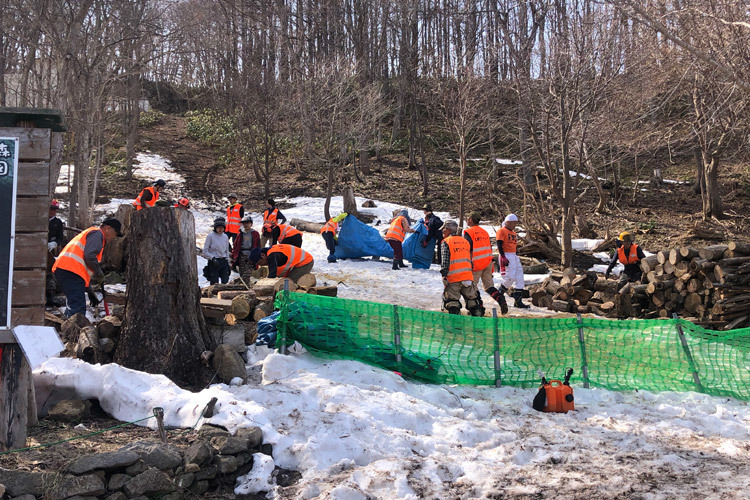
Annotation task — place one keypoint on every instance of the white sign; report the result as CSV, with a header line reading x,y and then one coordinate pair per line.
x,y
39,343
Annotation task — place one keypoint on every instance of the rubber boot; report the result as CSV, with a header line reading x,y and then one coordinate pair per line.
x,y
401,263
517,295
499,298
395,265
477,311
332,258
454,310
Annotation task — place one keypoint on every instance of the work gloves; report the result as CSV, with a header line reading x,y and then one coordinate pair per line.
x,y
97,279
504,261
93,299
51,246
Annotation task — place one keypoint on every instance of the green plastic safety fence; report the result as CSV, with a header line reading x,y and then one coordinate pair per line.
x,y
654,355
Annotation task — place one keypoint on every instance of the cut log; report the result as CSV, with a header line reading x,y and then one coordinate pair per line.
x,y
262,310
669,268
570,273
649,263
552,287
306,281
109,327
658,298
739,247
560,305
605,245
327,291
701,265
688,253
674,256
692,301
213,290
240,308
662,256
230,294
737,323
712,252
71,328
681,268
582,295
605,285
269,286
309,227
163,330
537,295
88,345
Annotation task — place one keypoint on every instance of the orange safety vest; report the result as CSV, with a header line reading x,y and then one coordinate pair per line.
x,y
154,198
481,254
233,218
396,231
295,257
460,265
509,239
269,218
631,258
286,231
330,227
72,257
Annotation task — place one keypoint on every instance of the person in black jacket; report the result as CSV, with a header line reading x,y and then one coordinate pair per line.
x,y
434,232
55,243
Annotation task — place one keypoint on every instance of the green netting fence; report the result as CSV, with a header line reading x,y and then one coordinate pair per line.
x,y
654,355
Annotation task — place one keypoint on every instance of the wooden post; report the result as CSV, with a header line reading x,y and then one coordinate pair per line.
x,y
688,354
39,144
159,414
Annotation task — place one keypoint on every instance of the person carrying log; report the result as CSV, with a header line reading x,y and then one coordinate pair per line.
x,y
629,255
77,266
400,225
289,235
55,241
149,195
433,224
235,213
458,280
244,244
329,232
216,252
272,217
481,259
511,269
284,261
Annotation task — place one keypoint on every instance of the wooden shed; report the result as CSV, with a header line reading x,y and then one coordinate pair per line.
x,y
40,143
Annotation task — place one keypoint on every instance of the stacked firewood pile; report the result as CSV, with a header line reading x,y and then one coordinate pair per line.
x,y
709,285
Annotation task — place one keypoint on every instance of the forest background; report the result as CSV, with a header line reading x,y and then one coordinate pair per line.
x,y
411,99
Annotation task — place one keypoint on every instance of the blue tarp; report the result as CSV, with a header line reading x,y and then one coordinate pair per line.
x,y
357,239
420,257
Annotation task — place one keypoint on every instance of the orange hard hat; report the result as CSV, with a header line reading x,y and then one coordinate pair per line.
x,y
184,202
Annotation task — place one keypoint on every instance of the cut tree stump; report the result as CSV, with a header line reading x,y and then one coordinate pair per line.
x,y
262,310
164,331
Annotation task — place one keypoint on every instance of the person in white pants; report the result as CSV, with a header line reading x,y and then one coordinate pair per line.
x,y
511,269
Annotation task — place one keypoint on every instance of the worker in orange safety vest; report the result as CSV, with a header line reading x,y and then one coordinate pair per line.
x,y
149,195
455,267
481,259
400,225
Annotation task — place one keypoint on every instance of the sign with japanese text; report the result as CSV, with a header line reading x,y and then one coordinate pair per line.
x,y
8,182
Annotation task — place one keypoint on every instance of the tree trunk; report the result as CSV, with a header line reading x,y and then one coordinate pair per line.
x,y
350,202
329,192
713,196
164,331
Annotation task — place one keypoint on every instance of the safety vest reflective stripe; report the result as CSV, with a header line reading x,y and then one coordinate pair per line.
x,y
154,198
632,257
233,218
460,263
481,254
72,256
396,231
287,231
330,226
295,257
269,218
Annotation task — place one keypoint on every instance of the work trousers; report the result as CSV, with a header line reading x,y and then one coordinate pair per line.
x,y
513,273
74,288
297,272
398,252
453,292
485,275
218,269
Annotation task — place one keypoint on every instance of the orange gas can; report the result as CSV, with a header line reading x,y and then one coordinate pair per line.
x,y
559,397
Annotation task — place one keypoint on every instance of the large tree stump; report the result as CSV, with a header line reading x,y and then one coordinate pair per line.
x,y
350,202
164,331
115,254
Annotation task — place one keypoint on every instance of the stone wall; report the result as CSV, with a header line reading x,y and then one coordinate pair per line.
x,y
150,469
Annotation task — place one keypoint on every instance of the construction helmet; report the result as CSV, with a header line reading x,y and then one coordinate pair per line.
x,y
160,183
184,202
54,204
626,236
232,195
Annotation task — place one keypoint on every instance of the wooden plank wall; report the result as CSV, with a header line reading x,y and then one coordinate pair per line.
x,y
32,207
29,272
